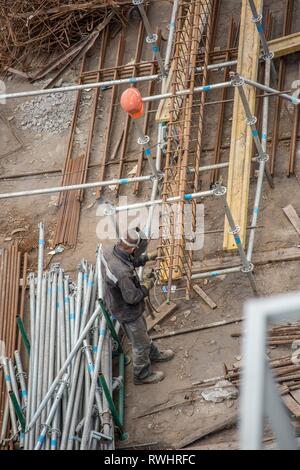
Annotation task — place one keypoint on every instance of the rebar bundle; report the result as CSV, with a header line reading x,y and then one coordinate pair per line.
x,y
11,305
67,400
28,28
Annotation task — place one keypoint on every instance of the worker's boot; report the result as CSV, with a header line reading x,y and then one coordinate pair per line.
x,y
152,378
165,355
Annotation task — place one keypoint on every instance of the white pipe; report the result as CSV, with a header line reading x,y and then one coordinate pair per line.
x,y
88,86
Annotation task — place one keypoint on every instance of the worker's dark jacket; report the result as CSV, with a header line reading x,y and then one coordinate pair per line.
x,y
123,293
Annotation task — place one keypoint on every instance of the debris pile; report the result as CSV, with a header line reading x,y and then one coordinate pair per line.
x,y
50,114
33,27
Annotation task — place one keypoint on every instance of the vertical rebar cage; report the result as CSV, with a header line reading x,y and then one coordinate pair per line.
x,y
184,116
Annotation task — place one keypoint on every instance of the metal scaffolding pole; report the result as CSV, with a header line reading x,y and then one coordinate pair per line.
x,y
144,141
170,40
151,38
109,83
34,385
64,367
215,274
94,393
262,164
293,99
220,191
132,81
258,20
238,81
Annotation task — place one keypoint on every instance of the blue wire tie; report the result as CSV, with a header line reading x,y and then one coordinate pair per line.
x,y
215,274
124,181
237,240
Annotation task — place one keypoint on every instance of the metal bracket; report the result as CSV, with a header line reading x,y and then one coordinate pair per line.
x,y
264,157
235,230
109,209
257,19
99,436
42,426
247,269
151,39
58,431
219,190
20,374
268,56
162,75
251,121
143,140
236,80
159,176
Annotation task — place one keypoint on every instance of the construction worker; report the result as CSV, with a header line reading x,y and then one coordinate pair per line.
x,y
124,299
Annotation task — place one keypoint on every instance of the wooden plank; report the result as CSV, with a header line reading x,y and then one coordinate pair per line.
x,y
164,310
285,45
204,296
217,426
241,137
291,405
296,395
259,259
293,217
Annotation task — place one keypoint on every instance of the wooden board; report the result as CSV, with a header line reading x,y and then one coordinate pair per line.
x,y
285,45
220,424
296,395
164,310
204,297
293,217
241,137
292,405
259,259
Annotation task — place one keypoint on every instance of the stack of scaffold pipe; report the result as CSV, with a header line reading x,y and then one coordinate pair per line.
x,y
67,402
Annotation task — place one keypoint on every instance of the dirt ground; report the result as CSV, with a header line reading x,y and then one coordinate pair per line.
x,y
199,355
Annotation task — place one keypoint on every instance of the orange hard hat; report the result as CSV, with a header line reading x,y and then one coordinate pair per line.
x,y
132,102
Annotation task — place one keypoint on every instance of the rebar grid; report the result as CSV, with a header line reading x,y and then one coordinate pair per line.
x,y
192,32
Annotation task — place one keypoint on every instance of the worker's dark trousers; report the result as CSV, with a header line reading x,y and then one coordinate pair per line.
x,y
143,348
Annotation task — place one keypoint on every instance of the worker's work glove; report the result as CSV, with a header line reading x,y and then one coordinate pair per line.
x,y
152,255
148,283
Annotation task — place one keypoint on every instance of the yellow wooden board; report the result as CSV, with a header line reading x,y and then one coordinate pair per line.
x,y
241,138
285,45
